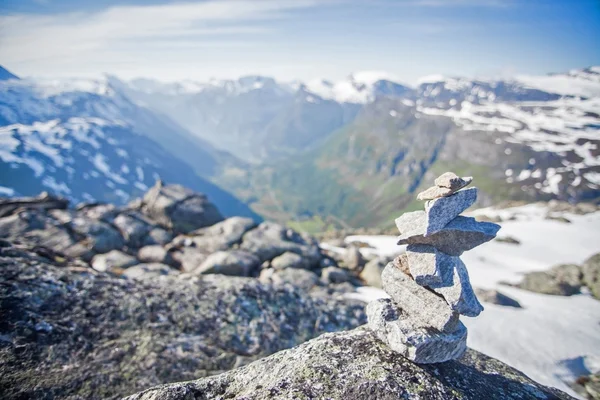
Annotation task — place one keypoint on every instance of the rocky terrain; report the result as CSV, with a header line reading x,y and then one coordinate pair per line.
x,y
101,301
356,365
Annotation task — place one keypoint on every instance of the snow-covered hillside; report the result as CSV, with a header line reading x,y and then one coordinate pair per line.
x,y
84,139
553,339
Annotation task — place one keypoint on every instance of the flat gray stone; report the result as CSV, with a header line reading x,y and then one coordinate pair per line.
x,y
421,345
434,192
418,302
290,260
443,210
459,235
427,265
113,261
452,181
230,262
456,289
149,271
335,275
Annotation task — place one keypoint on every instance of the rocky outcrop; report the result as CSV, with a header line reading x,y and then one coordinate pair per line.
x,y
68,331
356,365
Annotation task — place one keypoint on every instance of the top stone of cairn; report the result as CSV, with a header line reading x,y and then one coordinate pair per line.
x,y
445,185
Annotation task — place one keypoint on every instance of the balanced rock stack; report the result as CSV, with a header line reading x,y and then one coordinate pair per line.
x,y
429,284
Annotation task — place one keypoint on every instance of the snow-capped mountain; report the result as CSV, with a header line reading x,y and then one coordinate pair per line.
x,y
85,140
530,137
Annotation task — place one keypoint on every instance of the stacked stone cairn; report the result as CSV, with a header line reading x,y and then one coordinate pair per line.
x,y
429,285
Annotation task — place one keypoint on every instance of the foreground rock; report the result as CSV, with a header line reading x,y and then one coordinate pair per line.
x,y
356,365
68,331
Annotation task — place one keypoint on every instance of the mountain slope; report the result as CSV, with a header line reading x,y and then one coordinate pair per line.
x,y
6,74
257,118
83,139
520,143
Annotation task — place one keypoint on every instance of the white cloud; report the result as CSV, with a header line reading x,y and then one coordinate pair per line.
x,y
27,38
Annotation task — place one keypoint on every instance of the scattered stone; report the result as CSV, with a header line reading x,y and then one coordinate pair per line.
x,y
371,273
149,271
562,280
559,218
353,259
335,275
269,240
156,254
179,208
459,235
419,303
495,297
591,274
221,236
44,201
418,343
289,260
114,260
300,278
441,211
189,258
229,262
508,239
452,181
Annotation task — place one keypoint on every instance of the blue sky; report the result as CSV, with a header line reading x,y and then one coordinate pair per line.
x,y
297,39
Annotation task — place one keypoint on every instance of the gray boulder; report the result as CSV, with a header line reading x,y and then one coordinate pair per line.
x,y
300,278
270,240
418,302
179,208
43,201
562,280
289,260
407,336
149,271
495,297
591,274
356,365
335,275
353,259
371,273
91,335
220,236
156,254
100,236
113,261
139,231
38,228
441,211
189,258
229,262
458,236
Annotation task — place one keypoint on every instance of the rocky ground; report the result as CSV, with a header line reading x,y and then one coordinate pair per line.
x,y
356,365
98,301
